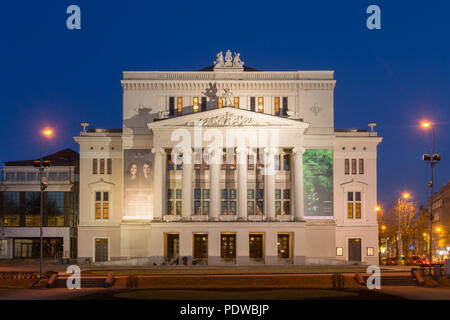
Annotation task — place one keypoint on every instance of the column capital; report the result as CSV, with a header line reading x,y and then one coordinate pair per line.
x,y
298,150
158,150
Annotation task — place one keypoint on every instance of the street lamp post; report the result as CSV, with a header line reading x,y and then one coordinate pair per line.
x,y
432,159
43,186
399,242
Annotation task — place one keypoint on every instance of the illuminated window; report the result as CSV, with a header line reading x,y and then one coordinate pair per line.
x,y
195,105
236,102
260,104
354,205
339,251
256,247
277,106
370,251
179,106
219,103
228,246
101,205
284,246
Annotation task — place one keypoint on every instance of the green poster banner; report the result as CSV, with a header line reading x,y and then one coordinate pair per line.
x,y
318,182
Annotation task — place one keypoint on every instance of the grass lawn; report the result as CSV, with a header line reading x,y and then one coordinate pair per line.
x,y
235,295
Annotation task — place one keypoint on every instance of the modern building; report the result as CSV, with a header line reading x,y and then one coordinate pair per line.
x,y
441,223
228,165
20,207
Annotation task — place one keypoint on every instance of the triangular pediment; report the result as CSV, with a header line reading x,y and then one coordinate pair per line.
x,y
228,117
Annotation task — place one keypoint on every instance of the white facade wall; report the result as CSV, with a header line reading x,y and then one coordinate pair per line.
x,y
310,125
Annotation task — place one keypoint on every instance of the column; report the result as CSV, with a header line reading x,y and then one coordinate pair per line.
x,y
242,153
158,183
269,184
215,159
298,183
187,184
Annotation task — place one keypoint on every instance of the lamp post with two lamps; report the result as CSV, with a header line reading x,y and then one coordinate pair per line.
x,y
432,159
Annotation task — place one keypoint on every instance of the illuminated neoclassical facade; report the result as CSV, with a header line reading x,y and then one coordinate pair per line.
x,y
228,165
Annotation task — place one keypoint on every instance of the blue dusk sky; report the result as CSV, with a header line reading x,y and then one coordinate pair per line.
x,y
395,76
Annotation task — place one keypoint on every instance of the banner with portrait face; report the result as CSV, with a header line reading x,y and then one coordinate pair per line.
x,y
138,184
318,182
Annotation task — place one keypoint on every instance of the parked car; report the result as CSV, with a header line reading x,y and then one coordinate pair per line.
x,y
392,261
414,261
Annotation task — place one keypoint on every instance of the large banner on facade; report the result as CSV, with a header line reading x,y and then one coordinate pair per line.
x,y
138,184
318,182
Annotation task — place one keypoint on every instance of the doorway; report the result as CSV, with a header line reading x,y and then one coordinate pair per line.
x,y
200,247
101,250
256,246
172,247
354,249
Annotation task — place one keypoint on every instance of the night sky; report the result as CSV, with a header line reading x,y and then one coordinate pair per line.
x,y
395,76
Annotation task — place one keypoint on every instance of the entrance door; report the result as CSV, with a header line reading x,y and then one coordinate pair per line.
x,y
228,246
283,246
101,250
256,247
200,247
354,249
173,248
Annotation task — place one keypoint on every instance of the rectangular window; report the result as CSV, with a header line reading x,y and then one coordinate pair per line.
x,y
250,207
228,246
260,104
256,247
259,193
361,166
109,166
353,166
63,176
102,166
285,106
277,106
205,193
10,176
233,207
347,166
354,205
232,193
260,207
203,104
21,176
52,176
171,106
286,207
94,166
277,193
224,193
179,193
197,207
277,208
223,207
286,162
197,193
101,205
169,193
236,102
252,103
170,209
179,207
206,207
284,246
219,103
195,105
250,194
179,106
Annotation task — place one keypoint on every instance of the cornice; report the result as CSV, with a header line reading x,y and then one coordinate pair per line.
x,y
195,84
